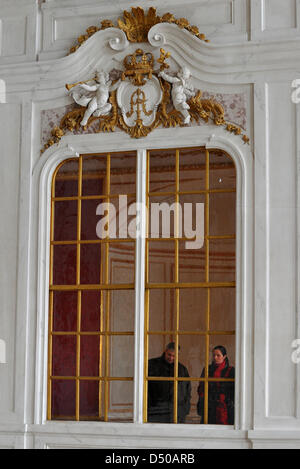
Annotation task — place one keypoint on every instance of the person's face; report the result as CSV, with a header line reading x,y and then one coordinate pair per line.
x,y
218,358
170,356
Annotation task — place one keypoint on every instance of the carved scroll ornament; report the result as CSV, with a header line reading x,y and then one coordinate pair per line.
x,y
140,100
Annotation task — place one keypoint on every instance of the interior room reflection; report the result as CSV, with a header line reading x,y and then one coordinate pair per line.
x,y
189,296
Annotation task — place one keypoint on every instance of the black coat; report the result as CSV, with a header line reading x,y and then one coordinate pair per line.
x,y
161,393
214,391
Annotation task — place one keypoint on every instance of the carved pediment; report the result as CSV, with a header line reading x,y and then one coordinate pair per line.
x,y
145,93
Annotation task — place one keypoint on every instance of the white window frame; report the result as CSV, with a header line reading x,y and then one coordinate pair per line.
x,y
209,137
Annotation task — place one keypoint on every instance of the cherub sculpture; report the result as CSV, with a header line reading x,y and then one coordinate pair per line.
x,y
95,97
182,89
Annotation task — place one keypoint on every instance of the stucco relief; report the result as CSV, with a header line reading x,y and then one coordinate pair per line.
x,y
234,105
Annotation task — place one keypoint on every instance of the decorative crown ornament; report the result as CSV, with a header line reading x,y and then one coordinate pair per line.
x,y
138,66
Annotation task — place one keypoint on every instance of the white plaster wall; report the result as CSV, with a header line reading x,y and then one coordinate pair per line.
x,y
255,48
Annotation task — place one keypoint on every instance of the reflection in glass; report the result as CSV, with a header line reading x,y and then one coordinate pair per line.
x,y
197,309
91,333
161,392
220,398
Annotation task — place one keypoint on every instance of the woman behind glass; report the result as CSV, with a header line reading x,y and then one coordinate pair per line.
x,y
220,394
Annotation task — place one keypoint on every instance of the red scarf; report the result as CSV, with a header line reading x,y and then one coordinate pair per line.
x,y
221,409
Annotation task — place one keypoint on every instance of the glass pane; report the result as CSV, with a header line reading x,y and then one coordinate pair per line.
x,y
222,174
193,219
65,220
226,341
162,213
89,355
122,346
222,214
90,311
191,264
90,263
93,175
122,218
193,417
63,399
222,309
161,392
121,265
120,401
192,169
222,260
66,181
162,171
121,310
64,264
192,353
123,173
162,309
192,309
64,355
64,311
89,400
161,261
90,219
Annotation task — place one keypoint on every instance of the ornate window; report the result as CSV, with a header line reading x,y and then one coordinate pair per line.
x,y
189,276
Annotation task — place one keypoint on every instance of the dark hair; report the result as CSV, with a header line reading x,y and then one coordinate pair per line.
x,y
223,352
171,346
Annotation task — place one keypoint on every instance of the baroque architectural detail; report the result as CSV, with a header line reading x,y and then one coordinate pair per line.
x,y
140,101
136,25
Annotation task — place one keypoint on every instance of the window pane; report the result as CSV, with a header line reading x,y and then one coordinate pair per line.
x,y
93,175
192,264
122,367
193,304
222,214
222,309
64,355
121,262
161,261
89,355
162,213
222,174
162,309
121,311
64,264
66,181
162,171
192,169
90,310
64,311
63,399
89,219
65,220
120,401
90,263
222,260
123,173
89,400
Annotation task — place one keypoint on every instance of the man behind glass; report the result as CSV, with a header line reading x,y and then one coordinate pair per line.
x,y
161,393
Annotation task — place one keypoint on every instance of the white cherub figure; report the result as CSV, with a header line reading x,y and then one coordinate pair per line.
x,y
182,89
97,104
